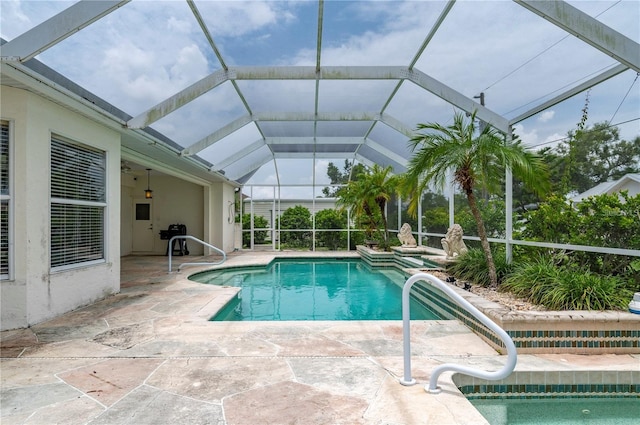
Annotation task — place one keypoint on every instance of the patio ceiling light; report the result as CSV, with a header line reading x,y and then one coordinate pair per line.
x,y
148,193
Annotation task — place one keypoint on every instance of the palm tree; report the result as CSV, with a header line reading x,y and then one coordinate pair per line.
x,y
478,161
369,194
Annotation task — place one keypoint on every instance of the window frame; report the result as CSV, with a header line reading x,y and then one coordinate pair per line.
x,y
71,202
8,198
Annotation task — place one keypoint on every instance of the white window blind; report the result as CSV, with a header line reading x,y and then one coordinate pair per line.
x,y
5,199
78,188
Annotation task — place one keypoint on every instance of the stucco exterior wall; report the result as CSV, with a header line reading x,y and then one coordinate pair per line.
x,y
219,216
127,186
36,293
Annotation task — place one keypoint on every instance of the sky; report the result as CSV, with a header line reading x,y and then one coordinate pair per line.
x,y
146,51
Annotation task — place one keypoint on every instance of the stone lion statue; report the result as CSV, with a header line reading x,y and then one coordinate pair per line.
x,y
452,243
406,237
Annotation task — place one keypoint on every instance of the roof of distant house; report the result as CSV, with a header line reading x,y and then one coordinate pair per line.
x,y
607,187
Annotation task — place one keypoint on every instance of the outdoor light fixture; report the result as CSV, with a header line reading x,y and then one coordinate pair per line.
x,y
148,193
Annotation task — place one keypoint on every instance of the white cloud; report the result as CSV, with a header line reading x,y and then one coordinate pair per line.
x,y
239,18
546,115
191,65
321,170
183,26
533,139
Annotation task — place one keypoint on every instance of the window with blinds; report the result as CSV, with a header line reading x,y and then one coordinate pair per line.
x,y
78,203
5,199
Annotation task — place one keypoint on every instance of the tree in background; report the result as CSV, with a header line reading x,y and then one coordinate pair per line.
x,y
350,171
584,159
435,213
478,161
492,211
597,155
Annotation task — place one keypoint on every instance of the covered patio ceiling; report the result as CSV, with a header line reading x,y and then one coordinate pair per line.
x,y
249,102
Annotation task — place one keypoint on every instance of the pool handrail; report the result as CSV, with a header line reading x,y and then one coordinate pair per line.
x,y
435,374
193,238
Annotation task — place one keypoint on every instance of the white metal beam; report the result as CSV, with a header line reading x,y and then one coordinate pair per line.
x,y
395,124
259,164
216,136
588,29
386,152
294,116
305,155
364,160
458,99
57,28
316,140
323,116
309,73
566,95
253,167
239,154
179,99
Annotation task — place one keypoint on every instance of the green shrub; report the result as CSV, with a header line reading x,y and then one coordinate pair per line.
x,y
472,266
293,218
532,279
557,287
356,238
331,219
583,290
602,221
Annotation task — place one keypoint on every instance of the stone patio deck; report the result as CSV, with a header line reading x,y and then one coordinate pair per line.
x,y
148,355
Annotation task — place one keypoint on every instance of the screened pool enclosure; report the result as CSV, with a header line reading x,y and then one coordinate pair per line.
x,y
263,96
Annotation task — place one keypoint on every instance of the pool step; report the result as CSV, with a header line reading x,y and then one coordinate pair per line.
x,y
411,262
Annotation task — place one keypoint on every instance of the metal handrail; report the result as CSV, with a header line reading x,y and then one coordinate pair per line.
x,y
193,238
433,388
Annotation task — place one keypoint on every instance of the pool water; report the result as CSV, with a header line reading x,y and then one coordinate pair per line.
x,y
560,411
314,290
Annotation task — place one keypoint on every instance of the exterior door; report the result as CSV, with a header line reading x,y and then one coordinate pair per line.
x,y
142,225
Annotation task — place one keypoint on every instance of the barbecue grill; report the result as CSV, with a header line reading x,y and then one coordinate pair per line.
x,y
175,230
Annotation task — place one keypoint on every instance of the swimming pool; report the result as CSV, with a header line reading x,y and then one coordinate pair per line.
x,y
314,289
554,411
556,397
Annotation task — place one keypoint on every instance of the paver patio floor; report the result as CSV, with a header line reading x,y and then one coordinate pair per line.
x,y
148,355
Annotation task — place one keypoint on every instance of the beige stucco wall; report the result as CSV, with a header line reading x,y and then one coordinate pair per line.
x,y
219,216
127,187
36,293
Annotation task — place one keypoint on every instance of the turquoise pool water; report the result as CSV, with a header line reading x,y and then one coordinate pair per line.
x,y
560,411
314,290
